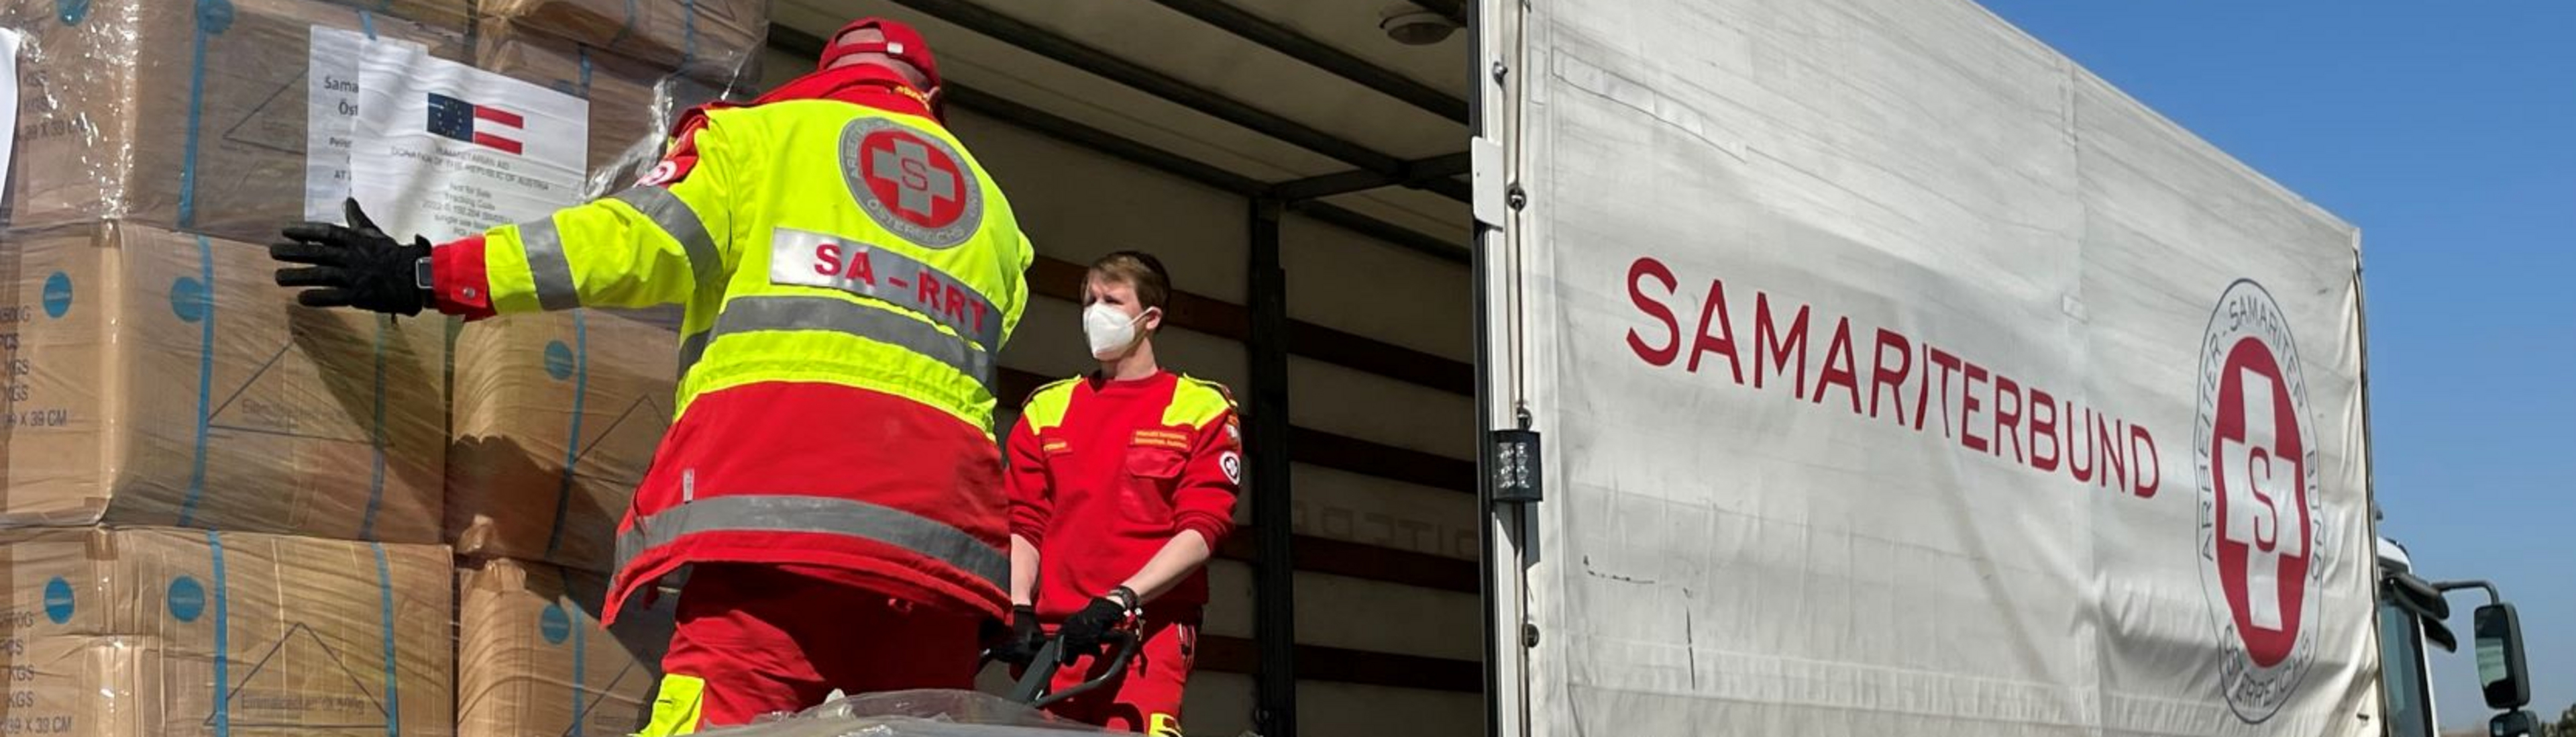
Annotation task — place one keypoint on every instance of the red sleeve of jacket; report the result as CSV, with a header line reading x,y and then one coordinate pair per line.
x,y
1031,506
459,284
1205,499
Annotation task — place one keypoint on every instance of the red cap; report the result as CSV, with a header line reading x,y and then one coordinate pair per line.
x,y
901,42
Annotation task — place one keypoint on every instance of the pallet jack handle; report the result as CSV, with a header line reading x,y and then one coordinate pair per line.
x,y
1032,686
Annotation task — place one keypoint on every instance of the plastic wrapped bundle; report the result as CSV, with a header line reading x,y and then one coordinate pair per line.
x,y
672,96
620,89
633,104
556,418
924,713
709,39
447,13
532,661
187,632
158,378
156,112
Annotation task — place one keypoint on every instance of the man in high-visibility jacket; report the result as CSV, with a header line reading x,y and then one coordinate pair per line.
x,y
831,476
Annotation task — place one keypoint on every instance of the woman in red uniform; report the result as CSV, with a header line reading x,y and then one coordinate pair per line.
x,y
1122,482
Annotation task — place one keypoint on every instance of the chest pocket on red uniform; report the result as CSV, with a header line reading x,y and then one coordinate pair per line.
x,y
1152,474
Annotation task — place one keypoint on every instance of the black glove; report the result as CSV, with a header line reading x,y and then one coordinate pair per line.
x,y
354,266
1020,645
1086,631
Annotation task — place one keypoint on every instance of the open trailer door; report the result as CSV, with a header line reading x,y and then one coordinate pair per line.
x,y
1897,375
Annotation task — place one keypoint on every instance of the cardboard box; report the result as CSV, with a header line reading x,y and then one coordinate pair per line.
x,y
624,109
532,660
708,39
443,13
138,632
632,104
119,116
534,392
157,378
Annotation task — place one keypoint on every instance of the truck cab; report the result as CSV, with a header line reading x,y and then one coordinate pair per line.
x,y
2405,668
2412,616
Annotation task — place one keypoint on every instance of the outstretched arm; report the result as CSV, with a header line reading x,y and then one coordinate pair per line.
x,y
657,243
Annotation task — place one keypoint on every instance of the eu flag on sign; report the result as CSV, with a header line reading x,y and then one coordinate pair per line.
x,y
451,117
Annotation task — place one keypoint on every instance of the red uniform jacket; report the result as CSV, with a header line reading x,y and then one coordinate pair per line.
x,y
1104,473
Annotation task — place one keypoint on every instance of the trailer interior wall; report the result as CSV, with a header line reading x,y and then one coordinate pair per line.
x,y
1798,278
1383,509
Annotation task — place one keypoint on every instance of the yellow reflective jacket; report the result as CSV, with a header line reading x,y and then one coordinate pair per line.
x,y
850,274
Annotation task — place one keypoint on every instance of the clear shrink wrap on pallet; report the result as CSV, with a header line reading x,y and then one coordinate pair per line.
x,y
557,416
532,660
633,104
920,713
159,378
209,116
709,39
621,90
443,13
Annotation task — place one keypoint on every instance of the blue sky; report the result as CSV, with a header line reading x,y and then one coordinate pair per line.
x,y
2449,137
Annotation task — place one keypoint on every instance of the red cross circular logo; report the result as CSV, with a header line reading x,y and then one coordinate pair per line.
x,y
2262,510
923,183
911,182
2259,515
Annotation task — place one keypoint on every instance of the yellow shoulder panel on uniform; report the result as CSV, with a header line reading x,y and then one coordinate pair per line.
x,y
1197,402
1045,407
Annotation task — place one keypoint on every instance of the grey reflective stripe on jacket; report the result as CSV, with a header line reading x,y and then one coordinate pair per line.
x,y
812,514
547,264
552,270
682,223
792,312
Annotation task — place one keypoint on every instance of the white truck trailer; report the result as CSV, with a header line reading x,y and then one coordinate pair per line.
x,y
1896,374
1825,367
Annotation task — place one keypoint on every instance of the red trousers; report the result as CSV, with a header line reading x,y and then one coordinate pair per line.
x,y
1147,698
764,639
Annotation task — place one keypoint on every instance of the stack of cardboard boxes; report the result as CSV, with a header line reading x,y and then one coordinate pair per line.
x,y
220,510
556,419
219,506
557,415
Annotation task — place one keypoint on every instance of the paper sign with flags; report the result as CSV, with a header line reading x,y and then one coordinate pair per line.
x,y
445,150
479,124
8,95
331,116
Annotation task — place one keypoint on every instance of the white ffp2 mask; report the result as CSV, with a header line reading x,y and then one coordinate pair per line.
x,y
1110,331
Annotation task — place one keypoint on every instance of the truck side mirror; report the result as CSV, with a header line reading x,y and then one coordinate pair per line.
x,y
2515,723
2502,674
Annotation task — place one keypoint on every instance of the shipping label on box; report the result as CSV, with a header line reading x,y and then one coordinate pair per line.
x,y
9,42
556,419
158,378
150,111
446,150
331,117
186,632
532,660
